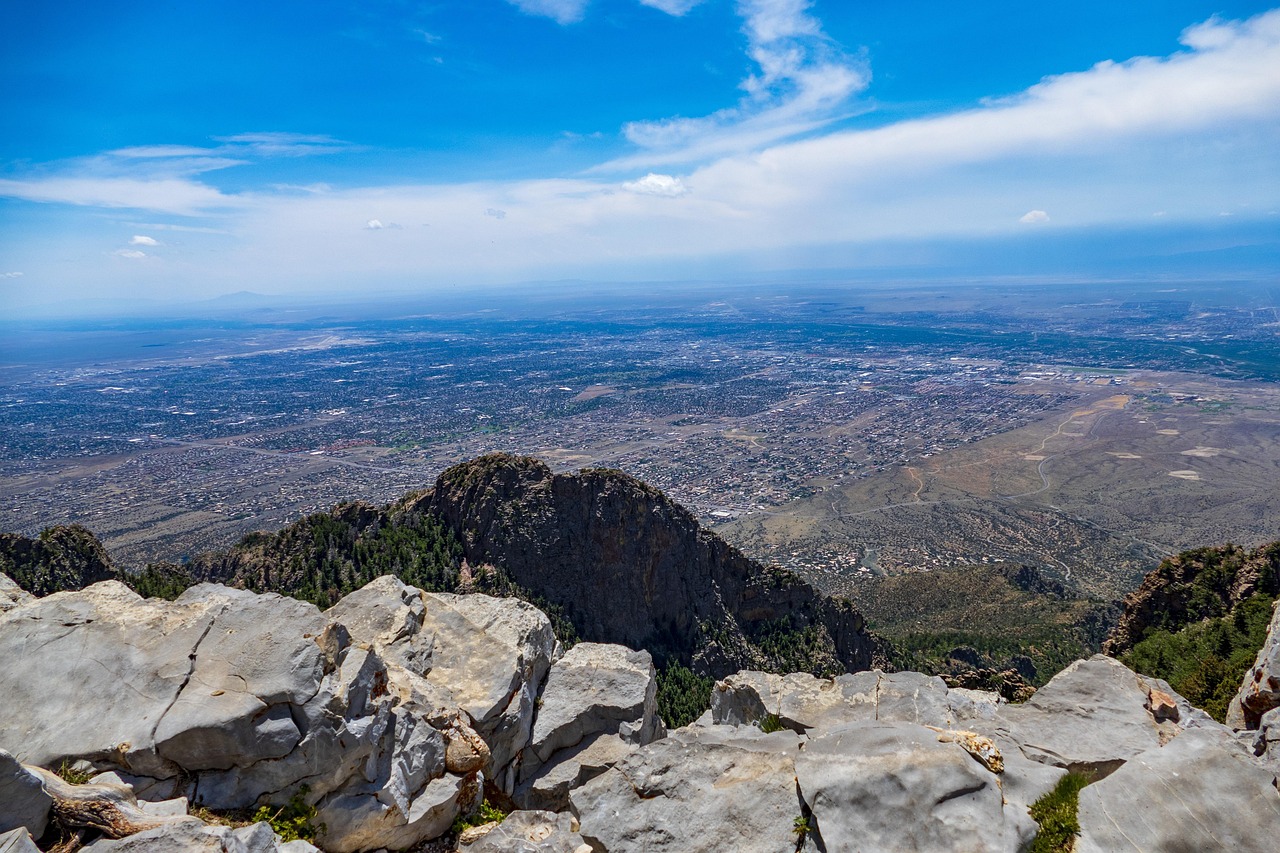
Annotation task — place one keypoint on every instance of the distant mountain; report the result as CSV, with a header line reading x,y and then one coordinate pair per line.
x,y
628,565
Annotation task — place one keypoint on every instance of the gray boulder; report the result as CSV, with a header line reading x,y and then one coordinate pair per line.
x,y
12,595
696,791
894,786
530,832
17,841
491,656
802,702
599,702
236,700
387,616
1095,715
193,836
23,800
1200,792
1260,690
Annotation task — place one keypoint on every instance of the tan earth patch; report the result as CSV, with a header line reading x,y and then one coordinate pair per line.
x,y
1185,475
1123,455
1204,452
1033,457
1167,432
593,391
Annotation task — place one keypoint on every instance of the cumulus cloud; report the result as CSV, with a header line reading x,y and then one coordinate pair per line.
x,y
132,254
1034,217
560,11
673,7
802,81
654,184
143,240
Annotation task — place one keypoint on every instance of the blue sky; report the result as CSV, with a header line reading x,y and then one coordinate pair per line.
x,y
166,150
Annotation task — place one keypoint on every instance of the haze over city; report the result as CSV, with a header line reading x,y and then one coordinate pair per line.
x,y
157,152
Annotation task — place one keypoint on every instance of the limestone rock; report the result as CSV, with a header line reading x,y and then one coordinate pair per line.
x,y
596,688
12,595
802,702
491,655
1200,792
193,836
1260,690
388,616
696,791
17,841
599,701
23,800
1093,716
896,786
531,832
239,700
547,786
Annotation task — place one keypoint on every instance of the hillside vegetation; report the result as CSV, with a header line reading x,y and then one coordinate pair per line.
x,y
1198,620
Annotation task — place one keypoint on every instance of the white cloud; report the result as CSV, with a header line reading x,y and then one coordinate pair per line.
x,y
143,240
374,225
678,8
167,195
560,11
1189,134
1034,217
132,254
495,213
653,184
803,81
10,274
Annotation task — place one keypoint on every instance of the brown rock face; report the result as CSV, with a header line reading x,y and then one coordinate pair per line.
x,y
1194,585
630,566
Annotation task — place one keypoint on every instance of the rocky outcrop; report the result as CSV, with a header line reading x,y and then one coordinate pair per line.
x,y
1095,715
629,566
391,713
11,595
1260,691
1199,792
696,790
598,705
1192,586
235,700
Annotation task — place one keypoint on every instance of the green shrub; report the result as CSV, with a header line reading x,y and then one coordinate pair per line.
x,y
1056,813
486,813
770,723
293,821
682,695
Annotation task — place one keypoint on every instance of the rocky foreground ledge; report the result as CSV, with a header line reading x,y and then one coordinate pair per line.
x,y
396,711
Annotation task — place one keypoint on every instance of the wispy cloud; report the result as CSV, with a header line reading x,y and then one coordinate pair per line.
x,y
131,254
1189,134
802,81
143,240
560,11
162,178
14,274
678,8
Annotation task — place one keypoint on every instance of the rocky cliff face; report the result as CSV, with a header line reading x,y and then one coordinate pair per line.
x,y
630,566
1195,585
